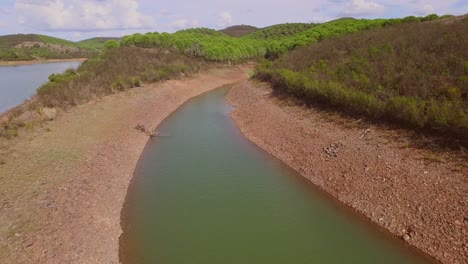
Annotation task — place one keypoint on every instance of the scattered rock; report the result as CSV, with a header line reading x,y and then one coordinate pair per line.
x,y
332,150
49,113
406,237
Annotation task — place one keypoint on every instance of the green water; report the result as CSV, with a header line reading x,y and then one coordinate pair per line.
x,y
204,194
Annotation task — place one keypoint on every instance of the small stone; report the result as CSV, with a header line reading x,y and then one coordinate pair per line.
x,y
458,223
49,113
406,237
426,172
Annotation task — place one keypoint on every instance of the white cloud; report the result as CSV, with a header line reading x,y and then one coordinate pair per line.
x,y
85,15
362,8
426,10
225,19
179,24
321,18
184,23
4,10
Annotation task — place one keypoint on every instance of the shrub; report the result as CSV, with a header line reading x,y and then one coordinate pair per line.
x,y
115,70
111,44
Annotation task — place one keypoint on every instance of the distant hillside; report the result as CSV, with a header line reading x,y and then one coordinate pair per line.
x,y
239,30
57,41
95,43
35,46
281,30
9,41
201,31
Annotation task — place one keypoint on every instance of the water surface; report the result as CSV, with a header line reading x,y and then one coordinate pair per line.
x,y
203,194
19,83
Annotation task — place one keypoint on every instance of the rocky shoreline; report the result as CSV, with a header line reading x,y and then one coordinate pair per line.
x,y
417,194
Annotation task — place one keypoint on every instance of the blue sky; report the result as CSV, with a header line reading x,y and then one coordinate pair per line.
x,y
81,19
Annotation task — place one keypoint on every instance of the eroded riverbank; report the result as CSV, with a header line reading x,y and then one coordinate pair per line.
x,y
63,184
415,194
31,62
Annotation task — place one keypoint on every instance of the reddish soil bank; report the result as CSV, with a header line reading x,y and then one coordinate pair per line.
x,y
417,194
17,63
62,185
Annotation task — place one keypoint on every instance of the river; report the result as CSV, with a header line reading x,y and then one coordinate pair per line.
x,y
203,194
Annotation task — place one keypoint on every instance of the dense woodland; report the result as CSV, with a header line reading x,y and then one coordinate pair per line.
x,y
411,71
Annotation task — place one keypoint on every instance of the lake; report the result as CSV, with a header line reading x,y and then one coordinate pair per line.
x,y
19,83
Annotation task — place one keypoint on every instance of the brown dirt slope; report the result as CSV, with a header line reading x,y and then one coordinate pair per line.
x,y
62,186
417,194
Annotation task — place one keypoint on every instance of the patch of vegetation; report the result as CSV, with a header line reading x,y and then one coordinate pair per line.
x,y
281,30
96,43
57,41
9,41
115,70
239,30
414,74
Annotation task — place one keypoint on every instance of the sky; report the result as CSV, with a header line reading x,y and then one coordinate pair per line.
x,y
82,19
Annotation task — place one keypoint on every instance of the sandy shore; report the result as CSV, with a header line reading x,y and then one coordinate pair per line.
x,y
417,194
62,185
17,63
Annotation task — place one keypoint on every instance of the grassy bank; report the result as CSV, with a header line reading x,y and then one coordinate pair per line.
x,y
413,74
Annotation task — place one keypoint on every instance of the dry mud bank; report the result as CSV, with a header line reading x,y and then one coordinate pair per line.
x,y
62,186
416,194
31,62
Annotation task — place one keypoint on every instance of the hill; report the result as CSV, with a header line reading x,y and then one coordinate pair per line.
x,y
35,46
414,74
239,30
10,41
281,30
95,43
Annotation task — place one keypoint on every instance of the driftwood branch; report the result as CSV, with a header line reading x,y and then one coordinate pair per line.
x,y
365,133
143,129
